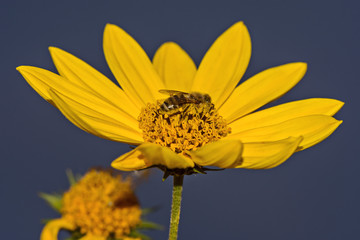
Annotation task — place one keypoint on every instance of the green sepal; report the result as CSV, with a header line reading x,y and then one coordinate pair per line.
x,y
72,238
70,176
73,179
147,225
146,211
198,171
46,220
75,235
54,200
136,234
166,175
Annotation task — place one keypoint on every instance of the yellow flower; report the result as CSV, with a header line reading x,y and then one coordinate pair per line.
x,y
183,132
99,205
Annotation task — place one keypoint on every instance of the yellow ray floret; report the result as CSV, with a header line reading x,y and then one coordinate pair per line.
x,y
131,66
224,64
52,228
175,67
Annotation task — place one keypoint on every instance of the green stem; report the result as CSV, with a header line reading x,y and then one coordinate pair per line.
x,y
175,207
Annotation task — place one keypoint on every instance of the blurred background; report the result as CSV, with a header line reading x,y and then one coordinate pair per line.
x,y
314,195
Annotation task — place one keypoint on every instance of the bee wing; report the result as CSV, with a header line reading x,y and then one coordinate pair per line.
x,y
170,92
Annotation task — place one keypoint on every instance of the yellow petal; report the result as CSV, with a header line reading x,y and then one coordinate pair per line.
x,y
287,111
44,80
89,103
222,154
313,129
92,121
82,74
262,89
264,155
158,155
40,85
224,64
131,66
52,228
131,161
175,67
92,237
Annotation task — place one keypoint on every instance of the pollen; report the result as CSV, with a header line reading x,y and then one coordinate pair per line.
x,y
186,128
103,205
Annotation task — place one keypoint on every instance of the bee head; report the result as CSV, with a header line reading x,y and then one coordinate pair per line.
x,y
207,98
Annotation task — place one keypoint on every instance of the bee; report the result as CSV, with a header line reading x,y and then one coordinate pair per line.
x,y
179,99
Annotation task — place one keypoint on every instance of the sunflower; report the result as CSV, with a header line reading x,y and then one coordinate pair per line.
x,y
204,120
99,206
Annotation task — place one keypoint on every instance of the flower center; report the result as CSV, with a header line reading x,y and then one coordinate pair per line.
x,y
102,205
182,122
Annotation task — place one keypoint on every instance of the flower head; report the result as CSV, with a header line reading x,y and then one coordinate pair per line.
x,y
181,118
98,206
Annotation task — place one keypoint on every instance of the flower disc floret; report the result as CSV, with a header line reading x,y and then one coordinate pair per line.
x,y
186,128
101,204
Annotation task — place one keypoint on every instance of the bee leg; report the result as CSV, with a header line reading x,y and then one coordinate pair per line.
x,y
186,108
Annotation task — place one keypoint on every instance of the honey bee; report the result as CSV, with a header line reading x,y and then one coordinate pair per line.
x,y
179,99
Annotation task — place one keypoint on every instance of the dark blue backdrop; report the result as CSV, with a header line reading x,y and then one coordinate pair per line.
x,y
314,195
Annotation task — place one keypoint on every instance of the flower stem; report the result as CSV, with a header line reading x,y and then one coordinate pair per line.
x,y
175,207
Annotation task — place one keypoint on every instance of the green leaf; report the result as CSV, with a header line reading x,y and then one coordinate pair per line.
x,y
54,200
